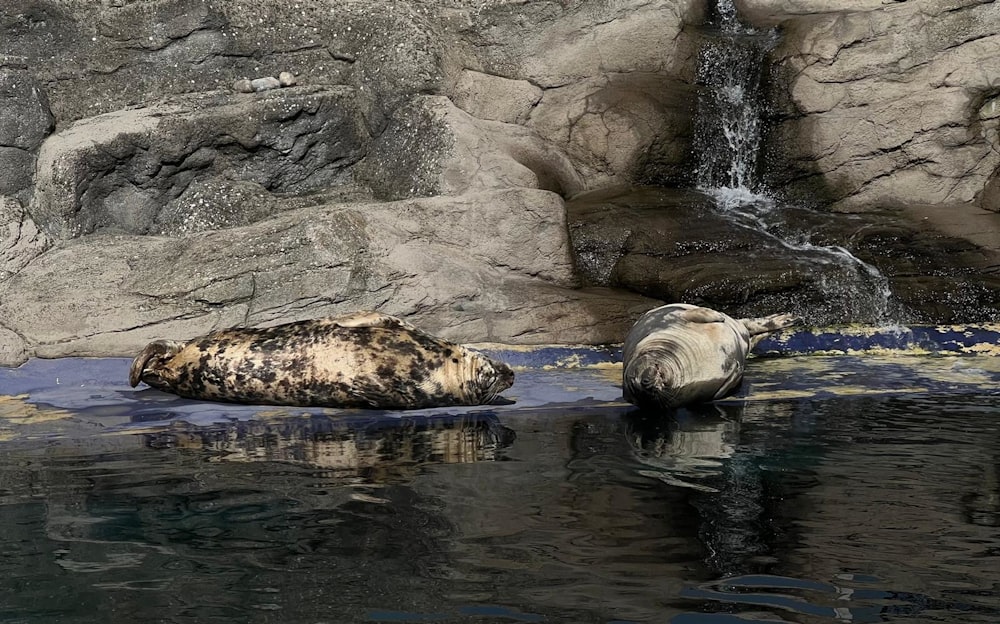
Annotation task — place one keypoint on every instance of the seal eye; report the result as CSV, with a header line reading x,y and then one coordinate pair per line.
x,y
454,360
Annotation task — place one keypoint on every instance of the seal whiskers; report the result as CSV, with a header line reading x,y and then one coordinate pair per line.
x,y
491,379
152,358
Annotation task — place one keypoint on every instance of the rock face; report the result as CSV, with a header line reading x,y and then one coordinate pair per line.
x,y
175,196
25,120
21,240
172,166
116,172
436,261
872,114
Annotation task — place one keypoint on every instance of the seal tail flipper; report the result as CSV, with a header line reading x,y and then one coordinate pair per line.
x,y
159,350
760,327
769,324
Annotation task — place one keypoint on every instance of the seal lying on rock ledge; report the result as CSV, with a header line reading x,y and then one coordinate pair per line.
x,y
366,359
680,354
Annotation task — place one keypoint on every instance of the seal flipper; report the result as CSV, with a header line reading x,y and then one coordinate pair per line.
x,y
702,315
770,324
760,327
370,318
159,351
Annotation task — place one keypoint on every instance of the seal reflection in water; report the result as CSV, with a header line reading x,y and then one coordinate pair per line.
x,y
681,354
365,359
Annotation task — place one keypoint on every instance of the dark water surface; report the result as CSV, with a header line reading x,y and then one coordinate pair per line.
x,y
832,490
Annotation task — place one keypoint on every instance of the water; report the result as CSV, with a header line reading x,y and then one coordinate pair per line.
x,y
830,490
858,288
731,105
727,148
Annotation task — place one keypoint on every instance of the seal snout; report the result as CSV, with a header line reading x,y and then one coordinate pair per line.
x,y
648,382
151,358
494,378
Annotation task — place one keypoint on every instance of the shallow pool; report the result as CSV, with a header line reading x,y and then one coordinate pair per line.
x,y
832,489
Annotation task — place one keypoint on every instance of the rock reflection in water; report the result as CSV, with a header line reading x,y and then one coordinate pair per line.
x,y
311,516
784,505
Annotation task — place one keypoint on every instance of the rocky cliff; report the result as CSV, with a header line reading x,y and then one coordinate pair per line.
x,y
887,102
172,166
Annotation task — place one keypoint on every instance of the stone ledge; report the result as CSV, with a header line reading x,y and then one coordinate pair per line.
x,y
850,340
113,173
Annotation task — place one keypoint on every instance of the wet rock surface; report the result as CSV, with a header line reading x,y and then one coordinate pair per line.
x,y
679,246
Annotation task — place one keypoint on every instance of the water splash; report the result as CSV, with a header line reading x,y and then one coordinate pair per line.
x,y
854,288
727,17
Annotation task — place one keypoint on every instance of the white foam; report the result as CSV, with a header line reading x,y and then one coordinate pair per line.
x,y
738,198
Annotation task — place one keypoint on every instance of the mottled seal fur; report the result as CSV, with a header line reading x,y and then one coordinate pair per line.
x,y
681,354
365,359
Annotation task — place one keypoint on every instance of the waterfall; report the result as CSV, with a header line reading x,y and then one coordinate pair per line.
x,y
727,142
728,124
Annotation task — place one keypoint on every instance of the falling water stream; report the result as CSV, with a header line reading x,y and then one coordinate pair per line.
x,y
727,147
728,124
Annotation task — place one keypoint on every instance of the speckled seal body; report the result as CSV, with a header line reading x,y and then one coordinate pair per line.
x,y
680,354
365,359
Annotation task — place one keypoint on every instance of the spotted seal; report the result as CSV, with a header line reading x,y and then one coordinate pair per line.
x,y
680,354
366,359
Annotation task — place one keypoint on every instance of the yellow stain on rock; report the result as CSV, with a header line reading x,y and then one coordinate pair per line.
x,y
777,395
16,412
983,348
611,372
